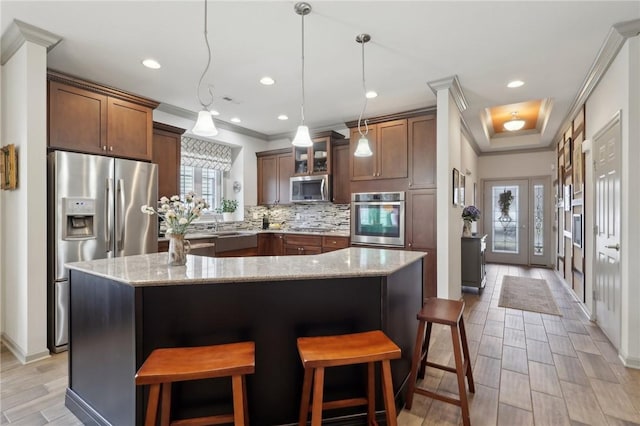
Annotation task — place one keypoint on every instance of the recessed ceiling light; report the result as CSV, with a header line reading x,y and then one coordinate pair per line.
x,y
267,81
151,63
235,119
214,112
283,117
371,94
515,83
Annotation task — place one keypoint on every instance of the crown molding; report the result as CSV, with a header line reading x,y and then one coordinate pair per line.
x,y
19,32
190,115
453,84
516,151
618,35
467,134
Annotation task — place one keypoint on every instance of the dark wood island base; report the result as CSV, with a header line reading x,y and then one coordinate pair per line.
x,y
115,323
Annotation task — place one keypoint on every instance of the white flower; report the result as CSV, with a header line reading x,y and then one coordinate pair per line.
x,y
164,200
183,221
170,214
175,198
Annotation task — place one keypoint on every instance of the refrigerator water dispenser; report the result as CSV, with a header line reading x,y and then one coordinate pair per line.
x,y
79,214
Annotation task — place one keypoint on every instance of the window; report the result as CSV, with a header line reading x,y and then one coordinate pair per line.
x,y
202,168
204,182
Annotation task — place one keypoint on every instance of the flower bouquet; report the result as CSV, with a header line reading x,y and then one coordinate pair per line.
x,y
470,213
178,215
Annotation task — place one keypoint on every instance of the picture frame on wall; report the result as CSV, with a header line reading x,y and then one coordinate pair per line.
x,y
456,186
568,148
576,230
462,189
577,167
475,193
567,198
8,167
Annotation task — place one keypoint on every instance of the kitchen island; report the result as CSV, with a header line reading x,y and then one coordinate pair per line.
x,y
123,308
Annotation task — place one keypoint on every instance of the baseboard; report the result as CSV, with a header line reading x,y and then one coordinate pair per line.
x,y
630,361
20,354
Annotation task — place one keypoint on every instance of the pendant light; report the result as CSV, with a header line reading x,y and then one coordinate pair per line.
x,y
515,123
205,126
363,149
302,138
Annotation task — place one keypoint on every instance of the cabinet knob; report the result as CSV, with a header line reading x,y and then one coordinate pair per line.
x,y
110,148
334,242
104,147
410,244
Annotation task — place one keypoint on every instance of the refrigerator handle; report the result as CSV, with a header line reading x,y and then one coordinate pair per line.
x,y
121,214
108,222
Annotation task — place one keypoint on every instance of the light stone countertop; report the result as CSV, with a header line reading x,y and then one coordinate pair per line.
x,y
152,269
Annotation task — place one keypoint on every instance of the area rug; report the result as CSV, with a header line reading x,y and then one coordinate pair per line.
x,y
527,294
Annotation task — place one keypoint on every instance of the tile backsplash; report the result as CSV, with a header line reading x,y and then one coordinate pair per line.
x,y
312,215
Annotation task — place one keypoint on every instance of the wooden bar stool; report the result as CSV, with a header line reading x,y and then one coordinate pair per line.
x,y
446,312
317,353
167,365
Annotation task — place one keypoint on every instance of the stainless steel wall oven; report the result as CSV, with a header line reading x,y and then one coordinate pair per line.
x,y
377,218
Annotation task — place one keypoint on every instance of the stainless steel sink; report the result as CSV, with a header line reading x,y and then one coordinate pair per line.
x,y
220,234
234,240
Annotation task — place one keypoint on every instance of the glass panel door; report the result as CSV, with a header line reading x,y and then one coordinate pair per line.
x,y
505,219
517,220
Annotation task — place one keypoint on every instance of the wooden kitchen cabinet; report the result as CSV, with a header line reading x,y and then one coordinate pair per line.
x,y
270,244
166,154
341,179
422,152
389,144
274,170
297,244
421,232
95,119
334,243
316,159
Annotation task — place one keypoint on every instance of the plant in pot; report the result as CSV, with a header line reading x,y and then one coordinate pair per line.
x,y
227,208
504,201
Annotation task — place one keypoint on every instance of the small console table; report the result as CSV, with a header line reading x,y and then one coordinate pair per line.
x,y
473,261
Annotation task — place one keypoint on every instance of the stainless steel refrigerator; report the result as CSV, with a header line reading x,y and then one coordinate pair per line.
x,y
94,213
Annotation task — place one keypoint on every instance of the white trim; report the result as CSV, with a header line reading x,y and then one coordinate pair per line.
x,y
19,354
453,84
616,38
19,32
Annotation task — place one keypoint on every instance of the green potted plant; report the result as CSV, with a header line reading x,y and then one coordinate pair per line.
x,y
227,208
505,202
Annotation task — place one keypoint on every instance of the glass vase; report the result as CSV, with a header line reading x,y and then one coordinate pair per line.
x,y
466,228
178,249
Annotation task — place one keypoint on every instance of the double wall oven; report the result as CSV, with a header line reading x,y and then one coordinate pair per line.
x,y
377,219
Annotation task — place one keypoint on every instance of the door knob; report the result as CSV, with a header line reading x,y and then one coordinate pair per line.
x,y
616,246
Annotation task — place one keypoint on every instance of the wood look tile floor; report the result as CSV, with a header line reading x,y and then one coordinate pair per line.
x,y
529,369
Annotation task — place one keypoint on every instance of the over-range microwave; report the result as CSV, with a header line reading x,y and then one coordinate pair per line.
x,y
309,188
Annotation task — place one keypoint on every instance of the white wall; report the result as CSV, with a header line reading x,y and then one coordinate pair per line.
x,y
500,166
469,166
24,278
619,90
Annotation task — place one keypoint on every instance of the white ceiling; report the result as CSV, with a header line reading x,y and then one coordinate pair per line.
x,y
548,44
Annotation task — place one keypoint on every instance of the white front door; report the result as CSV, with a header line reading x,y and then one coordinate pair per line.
x,y
607,288
506,207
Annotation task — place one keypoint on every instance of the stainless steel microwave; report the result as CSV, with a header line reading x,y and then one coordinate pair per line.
x,y
309,188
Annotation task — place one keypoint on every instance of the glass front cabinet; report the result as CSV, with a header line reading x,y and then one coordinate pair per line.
x,y
315,160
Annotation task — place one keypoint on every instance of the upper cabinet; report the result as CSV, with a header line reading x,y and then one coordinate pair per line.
x,y
422,152
316,159
274,170
166,154
87,117
388,142
340,181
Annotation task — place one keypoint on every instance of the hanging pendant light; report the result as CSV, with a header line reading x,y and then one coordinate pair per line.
x,y
205,125
302,138
363,149
515,123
